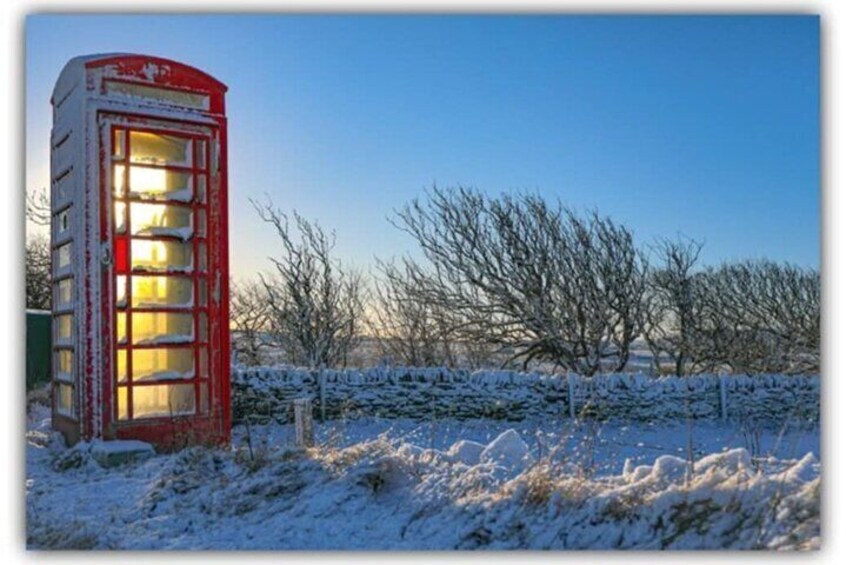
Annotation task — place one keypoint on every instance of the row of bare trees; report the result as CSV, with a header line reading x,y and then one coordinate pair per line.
x,y
744,317
516,281
511,281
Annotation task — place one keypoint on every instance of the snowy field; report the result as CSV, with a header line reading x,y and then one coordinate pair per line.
x,y
444,484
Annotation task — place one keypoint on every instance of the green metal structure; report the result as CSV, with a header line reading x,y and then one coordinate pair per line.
x,y
38,348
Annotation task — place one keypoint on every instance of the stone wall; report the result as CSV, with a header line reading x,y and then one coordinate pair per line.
x,y
265,393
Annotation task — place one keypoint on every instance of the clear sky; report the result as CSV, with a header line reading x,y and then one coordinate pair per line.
x,y
708,126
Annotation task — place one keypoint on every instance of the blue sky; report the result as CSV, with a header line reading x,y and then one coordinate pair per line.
x,y
707,126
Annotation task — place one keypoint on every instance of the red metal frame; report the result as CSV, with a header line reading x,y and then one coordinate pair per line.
x,y
213,425
215,378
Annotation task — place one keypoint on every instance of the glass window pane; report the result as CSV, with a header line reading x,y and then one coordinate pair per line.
x,y
159,149
118,143
120,217
119,180
160,219
64,399
202,292
62,220
204,328
201,189
162,327
120,290
63,256
215,156
159,184
201,154
123,403
203,355
120,327
120,371
162,364
63,325
166,95
64,185
202,264
201,223
64,293
204,397
156,291
64,365
162,400
161,255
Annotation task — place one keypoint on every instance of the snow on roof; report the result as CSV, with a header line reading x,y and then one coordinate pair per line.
x,y
74,71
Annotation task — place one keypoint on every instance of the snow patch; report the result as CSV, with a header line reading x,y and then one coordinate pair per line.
x,y
507,451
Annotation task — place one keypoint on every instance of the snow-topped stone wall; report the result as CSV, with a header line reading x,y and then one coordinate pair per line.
x,y
265,393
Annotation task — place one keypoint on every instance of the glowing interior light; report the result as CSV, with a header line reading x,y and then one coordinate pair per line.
x,y
141,180
120,217
152,181
149,253
147,216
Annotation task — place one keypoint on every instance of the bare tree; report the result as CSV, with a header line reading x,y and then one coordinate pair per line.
x,y
38,275
37,268
316,306
38,207
672,308
761,316
249,313
410,331
540,281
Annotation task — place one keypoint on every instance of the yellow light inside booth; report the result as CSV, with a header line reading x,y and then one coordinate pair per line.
x,y
141,180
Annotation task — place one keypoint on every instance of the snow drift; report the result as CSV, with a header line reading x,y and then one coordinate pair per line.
x,y
387,494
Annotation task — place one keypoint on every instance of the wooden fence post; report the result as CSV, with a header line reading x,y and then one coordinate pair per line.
x,y
303,423
571,393
723,398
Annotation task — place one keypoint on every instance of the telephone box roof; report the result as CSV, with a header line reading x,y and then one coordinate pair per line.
x,y
147,68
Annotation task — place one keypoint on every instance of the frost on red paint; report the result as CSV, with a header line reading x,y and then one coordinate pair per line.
x,y
142,156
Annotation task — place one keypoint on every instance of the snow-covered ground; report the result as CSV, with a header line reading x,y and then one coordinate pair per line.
x,y
398,484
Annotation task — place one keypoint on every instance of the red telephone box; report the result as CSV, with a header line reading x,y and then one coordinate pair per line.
x,y
140,260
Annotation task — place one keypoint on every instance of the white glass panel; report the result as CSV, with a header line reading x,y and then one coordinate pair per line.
x,y
64,365
201,189
62,220
161,255
118,143
204,328
204,397
155,291
159,149
201,223
201,154
120,327
121,366
63,325
63,256
120,290
162,364
64,399
120,217
162,400
175,97
64,293
123,403
119,180
162,327
160,219
154,184
202,263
